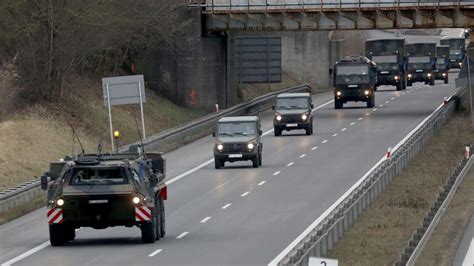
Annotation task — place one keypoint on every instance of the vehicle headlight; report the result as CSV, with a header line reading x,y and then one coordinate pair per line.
x,y
250,146
338,93
366,92
304,117
60,202
409,75
444,74
429,74
460,63
396,77
278,117
220,147
136,200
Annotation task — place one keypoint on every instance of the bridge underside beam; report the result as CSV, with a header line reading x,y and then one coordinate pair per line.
x,y
342,20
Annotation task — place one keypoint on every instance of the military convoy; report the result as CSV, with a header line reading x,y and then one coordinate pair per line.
x,y
293,111
354,79
389,55
421,62
106,190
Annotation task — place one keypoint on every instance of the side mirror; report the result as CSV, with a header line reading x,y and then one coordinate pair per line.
x,y
44,182
213,134
273,107
330,71
312,106
260,132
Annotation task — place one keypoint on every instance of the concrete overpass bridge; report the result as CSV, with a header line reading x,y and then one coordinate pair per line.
x,y
281,15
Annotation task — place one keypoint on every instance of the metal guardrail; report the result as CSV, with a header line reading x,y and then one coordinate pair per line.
x,y
239,6
423,233
166,140
324,233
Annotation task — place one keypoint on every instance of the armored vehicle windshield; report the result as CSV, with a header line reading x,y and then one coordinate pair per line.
x,y
236,129
98,176
292,103
352,75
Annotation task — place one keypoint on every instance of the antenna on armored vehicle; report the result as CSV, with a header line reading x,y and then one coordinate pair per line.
x,y
140,135
99,148
78,139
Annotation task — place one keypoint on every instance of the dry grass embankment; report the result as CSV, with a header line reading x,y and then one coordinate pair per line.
x,y
33,136
380,234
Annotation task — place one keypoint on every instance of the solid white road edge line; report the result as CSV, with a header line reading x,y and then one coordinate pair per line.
x,y
325,214
26,254
155,252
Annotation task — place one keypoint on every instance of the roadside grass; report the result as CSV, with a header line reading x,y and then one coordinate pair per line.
x,y
250,91
34,136
380,233
442,246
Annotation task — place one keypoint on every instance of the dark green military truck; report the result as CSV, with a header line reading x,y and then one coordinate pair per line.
x,y
457,50
421,62
238,138
106,190
441,71
354,79
293,111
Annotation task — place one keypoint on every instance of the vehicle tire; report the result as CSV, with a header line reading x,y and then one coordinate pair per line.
x,y
371,102
446,80
56,235
260,160
69,233
399,86
162,217
409,83
404,85
375,88
148,232
218,163
338,104
432,82
277,131
255,161
156,221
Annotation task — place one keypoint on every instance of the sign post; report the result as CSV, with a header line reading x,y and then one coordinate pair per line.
x,y
124,90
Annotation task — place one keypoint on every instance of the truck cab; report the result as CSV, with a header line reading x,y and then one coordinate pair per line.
x,y
293,111
354,79
442,64
238,139
389,55
106,190
457,51
421,62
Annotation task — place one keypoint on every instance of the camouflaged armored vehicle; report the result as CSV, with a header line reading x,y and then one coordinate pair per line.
x,y
106,190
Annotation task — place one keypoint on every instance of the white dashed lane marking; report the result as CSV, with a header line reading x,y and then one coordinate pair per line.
x,y
245,194
314,148
325,141
344,129
276,173
353,123
334,135
290,164
182,235
381,105
261,183
375,109
360,118
206,219
302,155
155,252
226,206
387,101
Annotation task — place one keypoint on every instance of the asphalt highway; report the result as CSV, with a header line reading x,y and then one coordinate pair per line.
x,y
241,215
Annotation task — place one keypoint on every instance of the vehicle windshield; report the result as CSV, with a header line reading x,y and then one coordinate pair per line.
x,y
236,129
292,103
419,59
440,61
99,176
455,54
347,75
384,58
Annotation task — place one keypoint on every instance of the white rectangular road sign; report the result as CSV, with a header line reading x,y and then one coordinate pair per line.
x,y
322,262
124,90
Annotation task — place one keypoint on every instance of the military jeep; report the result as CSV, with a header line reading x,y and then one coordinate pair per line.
x,y
293,111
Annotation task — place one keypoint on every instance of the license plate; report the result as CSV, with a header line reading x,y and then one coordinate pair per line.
x,y
353,86
102,201
235,155
291,125
453,60
384,72
419,70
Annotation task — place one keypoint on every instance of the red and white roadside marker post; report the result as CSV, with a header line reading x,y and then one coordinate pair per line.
x,y
445,101
468,152
217,108
389,152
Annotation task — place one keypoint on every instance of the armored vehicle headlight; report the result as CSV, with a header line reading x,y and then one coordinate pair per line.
x,y
220,147
338,93
60,202
366,92
409,75
460,63
444,74
278,117
304,117
429,74
136,200
397,77
250,146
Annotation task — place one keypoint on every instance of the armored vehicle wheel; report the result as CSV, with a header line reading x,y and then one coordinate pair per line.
x,y
256,160
432,82
371,102
446,80
148,232
156,221
69,233
277,131
409,83
162,218
309,130
400,86
338,104
218,163
56,235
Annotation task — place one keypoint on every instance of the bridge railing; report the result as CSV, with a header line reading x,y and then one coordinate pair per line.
x,y
257,6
